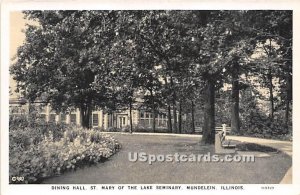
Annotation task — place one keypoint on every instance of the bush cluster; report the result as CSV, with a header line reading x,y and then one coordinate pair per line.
x,y
259,125
38,151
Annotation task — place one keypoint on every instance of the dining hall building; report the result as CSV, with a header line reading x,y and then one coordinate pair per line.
x,y
98,119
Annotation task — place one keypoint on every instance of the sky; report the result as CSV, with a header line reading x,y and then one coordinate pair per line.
x,y
17,23
17,37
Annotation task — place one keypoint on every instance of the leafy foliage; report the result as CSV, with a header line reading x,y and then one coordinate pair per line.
x,y
168,58
36,155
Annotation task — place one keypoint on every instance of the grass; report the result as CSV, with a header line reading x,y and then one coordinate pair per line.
x,y
118,170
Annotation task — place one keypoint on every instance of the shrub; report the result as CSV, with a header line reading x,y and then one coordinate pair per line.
x,y
98,129
139,128
257,124
25,131
36,153
126,128
113,129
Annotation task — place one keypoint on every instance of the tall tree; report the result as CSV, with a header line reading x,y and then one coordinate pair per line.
x,y
235,122
64,56
206,49
274,37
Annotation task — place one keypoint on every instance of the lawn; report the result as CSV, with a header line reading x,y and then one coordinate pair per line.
x,y
118,169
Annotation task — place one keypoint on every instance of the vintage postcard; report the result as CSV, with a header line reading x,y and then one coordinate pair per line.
x,y
135,97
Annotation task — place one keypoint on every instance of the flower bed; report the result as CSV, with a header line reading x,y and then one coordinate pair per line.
x,y
36,159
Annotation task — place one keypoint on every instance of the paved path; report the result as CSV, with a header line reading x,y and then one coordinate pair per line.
x,y
118,169
284,146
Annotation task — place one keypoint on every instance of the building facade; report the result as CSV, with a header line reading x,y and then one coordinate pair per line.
x,y
99,119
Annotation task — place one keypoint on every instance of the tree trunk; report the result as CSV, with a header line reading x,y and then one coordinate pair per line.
x,y
175,117
111,119
180,118
112,124
170,129
288,99
153,110
235,122
169,119
153,121
85,112
209,113
270,83
287,110
175,128
115,118
271,99
130,116
193,117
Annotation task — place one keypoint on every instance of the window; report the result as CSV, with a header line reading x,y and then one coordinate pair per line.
x,y
95,120
73,118
142,114
162,122
147,122
146,119
142,122
52,117
63,118
43,117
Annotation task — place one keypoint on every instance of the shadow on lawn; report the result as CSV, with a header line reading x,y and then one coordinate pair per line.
x,y
198,148
255,147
